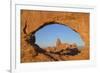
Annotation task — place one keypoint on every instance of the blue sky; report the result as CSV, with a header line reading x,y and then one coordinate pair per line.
x,y
48,35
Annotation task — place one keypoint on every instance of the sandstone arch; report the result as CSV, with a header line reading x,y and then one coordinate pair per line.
x,y
77,21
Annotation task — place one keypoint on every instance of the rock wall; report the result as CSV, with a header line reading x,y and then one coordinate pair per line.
x,y
35,20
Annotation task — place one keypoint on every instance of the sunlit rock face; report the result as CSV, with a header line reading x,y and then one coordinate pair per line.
x,y
60,45
32,21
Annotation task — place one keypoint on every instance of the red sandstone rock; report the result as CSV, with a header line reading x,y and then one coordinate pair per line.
x,y
79,22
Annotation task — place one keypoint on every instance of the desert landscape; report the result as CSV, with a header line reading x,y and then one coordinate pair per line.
x,y
32,21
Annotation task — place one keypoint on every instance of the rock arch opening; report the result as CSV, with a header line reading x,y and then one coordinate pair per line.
x,y
56,38
47,35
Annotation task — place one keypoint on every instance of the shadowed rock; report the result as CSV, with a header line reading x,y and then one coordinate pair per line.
x,y
72,52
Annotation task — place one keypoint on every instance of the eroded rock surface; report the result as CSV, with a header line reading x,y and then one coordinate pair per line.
x,y
32,21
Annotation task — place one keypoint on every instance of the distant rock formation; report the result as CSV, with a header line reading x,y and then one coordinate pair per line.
x,y
60,45
58,42
63,48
